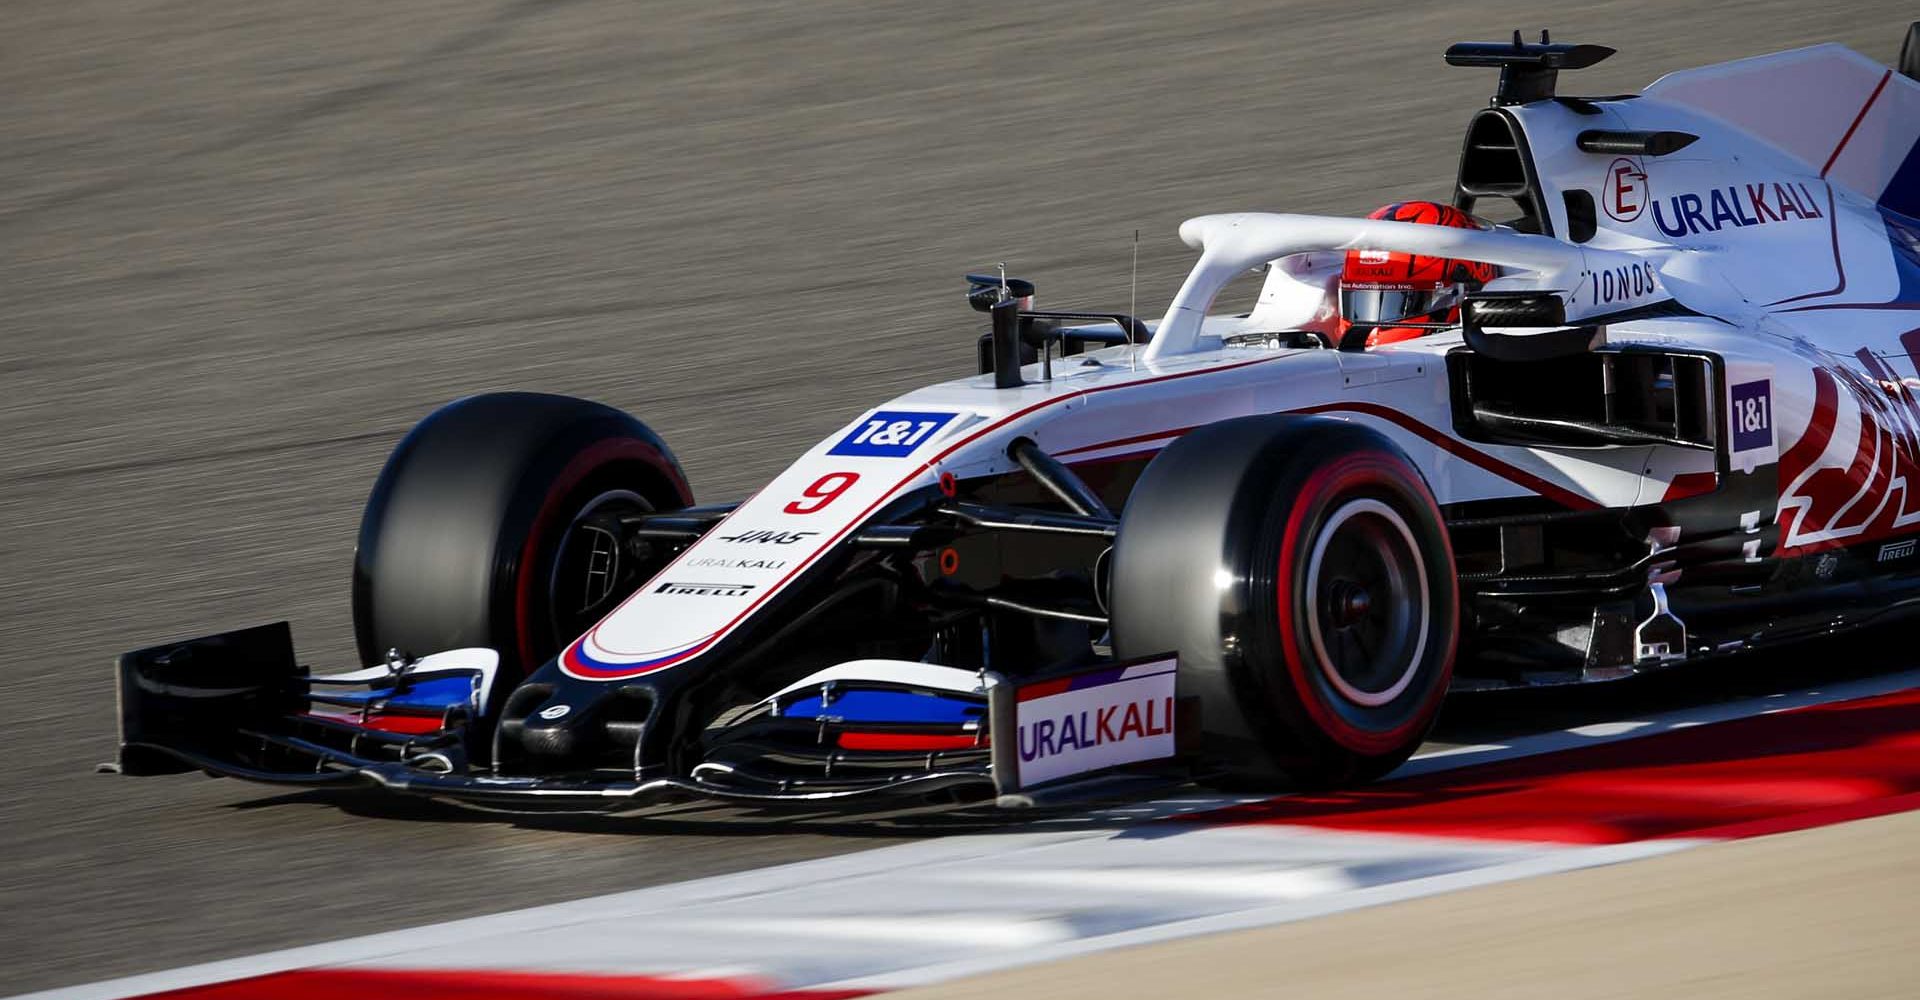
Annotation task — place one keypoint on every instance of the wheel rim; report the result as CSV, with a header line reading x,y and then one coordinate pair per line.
x,y
590,564
1368,611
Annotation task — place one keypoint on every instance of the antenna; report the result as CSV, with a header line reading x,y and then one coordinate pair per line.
x,y
1004,294
1133,301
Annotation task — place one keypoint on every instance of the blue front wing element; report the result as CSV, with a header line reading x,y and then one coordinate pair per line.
x,y
433,694
884,706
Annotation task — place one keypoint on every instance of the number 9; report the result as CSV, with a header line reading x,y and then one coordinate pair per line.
x,y
824,491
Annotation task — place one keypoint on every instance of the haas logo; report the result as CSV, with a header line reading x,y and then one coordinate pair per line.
x,y
1849,477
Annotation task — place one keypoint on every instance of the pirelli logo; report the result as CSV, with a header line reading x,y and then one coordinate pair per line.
x,y
705,589
1897,550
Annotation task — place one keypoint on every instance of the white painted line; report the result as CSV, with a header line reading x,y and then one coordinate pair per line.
x,y
952,906
1681,718
1609,728
1228,882
710,922
1455,751
607,910
1545,864
973,930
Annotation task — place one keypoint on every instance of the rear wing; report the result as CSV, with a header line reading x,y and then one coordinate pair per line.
x,y
1590,283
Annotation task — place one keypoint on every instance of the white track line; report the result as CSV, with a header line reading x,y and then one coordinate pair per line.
x,y
1546,863
1596,734
1242,882
952,906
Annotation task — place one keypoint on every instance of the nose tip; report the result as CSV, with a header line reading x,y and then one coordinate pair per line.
x,y
553,729
571,722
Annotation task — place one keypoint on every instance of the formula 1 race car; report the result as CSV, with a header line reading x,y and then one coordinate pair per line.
x,y
1677,421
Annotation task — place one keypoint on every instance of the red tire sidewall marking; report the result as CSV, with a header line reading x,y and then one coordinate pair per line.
x,y
596,456
1363,469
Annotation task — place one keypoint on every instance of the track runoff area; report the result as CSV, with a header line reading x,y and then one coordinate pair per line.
x,y
945,908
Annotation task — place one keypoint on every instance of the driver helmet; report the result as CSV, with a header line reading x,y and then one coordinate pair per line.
x,y
1399,296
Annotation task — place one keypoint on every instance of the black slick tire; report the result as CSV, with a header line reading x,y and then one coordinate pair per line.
x,y
1300,568
463,531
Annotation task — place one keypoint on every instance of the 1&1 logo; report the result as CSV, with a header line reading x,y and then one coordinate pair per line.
x,y
891,434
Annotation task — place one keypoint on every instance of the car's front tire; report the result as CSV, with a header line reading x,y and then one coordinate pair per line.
x,y
1300,568
489,526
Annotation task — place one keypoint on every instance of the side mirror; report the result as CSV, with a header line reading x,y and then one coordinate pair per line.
x,y
1545,314
983,291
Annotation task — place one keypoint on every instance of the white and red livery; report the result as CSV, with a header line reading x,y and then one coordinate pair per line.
x,y
1680,423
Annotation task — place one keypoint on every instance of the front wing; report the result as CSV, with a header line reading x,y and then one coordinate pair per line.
x,y
238,704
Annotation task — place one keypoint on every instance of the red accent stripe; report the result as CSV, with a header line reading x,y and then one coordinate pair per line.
x,y
455,984
909,741
1514,474
404,725
1857,119
1117,442
1125,456
1839,266
1849,490
1764,774
1690,484
1448,444
1813,442
1044,689
1863,306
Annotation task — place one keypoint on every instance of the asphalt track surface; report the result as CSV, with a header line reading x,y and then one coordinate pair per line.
x,y
1815,913
244,246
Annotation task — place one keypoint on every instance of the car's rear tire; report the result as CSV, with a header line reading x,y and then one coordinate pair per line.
x,y
484,528
1300,568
